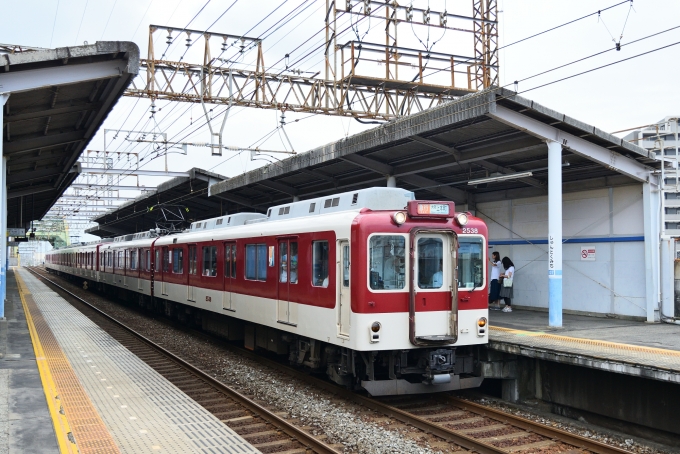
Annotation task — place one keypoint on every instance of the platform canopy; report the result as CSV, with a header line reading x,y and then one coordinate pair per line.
x,y
436,153
190,194
58,99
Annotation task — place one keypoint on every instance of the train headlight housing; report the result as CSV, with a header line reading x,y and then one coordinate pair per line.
x,y
399,217
481,326
374,332
462,219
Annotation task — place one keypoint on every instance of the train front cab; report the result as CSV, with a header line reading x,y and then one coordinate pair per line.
x,y
418,301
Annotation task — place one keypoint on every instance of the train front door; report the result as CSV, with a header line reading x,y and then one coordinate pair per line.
x,y
345,305
287,281
229,275
434,268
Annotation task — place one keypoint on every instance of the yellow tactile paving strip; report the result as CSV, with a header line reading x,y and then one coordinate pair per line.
x,y
650,362
80,424
590,342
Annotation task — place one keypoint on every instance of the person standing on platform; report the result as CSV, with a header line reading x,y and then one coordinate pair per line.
x,y
507,283
494,285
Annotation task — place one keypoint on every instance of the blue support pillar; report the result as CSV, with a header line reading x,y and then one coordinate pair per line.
x,y
554,233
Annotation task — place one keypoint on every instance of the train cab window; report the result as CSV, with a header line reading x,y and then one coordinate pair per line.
x,y
166,260
320,263
230,260
210,261
177,261
256,262
387,259
470,262
430,263
192,260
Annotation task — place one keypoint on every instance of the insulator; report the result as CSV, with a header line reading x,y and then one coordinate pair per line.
x,y
409,13
188,40
426,16
367,7
168,40
443,19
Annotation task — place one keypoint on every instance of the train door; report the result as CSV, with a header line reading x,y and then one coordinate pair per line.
x,y
287,281
229,275
193,266
345,305
165,270
434,284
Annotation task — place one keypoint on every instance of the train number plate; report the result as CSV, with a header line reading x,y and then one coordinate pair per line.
x,y
208,299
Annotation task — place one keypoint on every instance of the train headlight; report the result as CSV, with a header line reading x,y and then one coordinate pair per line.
x,y
481,326
462,219
399,217
374,332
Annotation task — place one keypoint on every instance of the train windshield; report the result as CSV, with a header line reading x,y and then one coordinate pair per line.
x,y
387,259
470,262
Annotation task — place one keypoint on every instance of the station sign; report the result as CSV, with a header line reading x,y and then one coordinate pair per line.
x,y
16,232
588,253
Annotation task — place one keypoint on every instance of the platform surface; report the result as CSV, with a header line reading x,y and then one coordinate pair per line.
x,y
624,346
109,394
25,424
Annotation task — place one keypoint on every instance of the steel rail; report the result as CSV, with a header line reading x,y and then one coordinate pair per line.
x,y
301,436
421,423
540,429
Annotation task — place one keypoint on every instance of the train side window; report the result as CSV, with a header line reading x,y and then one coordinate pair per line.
x,y
387,258
320,263
148,260
133,259
166,260
192,259
158,259
177,261
256,262
210,261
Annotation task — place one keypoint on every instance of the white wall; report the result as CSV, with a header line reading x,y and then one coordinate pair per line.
x,y
604,219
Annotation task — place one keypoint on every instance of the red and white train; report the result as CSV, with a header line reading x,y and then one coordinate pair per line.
x,y
378,289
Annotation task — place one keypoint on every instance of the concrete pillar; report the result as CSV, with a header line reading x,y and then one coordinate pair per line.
x,y
651,194
554,233
4,256
391,181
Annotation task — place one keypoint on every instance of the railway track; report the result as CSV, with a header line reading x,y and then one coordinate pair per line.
x,y
265,430
468,425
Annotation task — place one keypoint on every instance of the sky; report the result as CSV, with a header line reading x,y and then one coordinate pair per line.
x,y
631,93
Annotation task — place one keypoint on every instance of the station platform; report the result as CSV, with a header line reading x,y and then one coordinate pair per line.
x,y
649,350
97,397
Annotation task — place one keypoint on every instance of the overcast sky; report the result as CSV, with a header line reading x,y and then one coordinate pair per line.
x,y
635,92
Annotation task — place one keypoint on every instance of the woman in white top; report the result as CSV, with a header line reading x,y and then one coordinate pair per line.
x,y
506,292
494,285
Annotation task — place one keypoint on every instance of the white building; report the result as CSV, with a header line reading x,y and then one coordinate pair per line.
x,y
662,138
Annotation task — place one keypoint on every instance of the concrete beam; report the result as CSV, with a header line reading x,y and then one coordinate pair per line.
x,y
36,143
448,192
608,158
134,172
491,167
13,194
47,113
277,186
16,82
232,198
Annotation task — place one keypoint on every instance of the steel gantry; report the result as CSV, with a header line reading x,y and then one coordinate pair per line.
x,y
343,91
